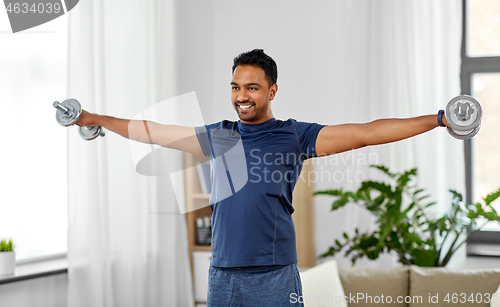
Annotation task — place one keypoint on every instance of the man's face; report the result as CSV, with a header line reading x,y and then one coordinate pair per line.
x,y
251,94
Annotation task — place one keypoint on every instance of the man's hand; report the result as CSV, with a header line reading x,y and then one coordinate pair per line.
x,y
86,119
444,121
340,138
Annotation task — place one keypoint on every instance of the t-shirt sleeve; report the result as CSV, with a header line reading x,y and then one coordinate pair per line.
x,y
307,134
203,133
203,139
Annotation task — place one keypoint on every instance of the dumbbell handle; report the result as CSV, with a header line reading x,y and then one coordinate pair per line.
x,y
462,110
60,107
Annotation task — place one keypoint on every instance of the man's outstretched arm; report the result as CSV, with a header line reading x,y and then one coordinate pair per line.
x,y
340,138
170,136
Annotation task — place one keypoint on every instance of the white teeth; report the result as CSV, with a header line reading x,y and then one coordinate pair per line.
x,y
245,107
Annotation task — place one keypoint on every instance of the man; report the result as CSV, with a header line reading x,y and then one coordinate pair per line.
x,y
253,241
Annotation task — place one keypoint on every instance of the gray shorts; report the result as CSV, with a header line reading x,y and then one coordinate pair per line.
x,y
260,286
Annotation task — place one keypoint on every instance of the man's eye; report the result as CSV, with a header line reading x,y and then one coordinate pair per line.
x,y
234,88
252,88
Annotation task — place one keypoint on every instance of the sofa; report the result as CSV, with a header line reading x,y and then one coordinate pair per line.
x,y
328,285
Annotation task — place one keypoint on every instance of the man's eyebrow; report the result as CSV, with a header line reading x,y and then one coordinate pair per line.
x,y
248,84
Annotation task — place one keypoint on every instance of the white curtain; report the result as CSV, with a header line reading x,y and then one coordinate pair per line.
x,y
127,247
399,59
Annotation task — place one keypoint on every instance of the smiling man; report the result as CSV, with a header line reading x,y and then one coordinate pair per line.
x,y
253,236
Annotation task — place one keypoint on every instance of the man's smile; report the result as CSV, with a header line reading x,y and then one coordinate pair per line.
x,y
244,107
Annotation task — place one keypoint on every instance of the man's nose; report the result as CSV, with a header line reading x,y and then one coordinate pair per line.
x,y
242,96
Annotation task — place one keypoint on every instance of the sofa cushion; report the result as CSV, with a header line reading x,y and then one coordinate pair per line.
x,y
446,287
321,286
375,287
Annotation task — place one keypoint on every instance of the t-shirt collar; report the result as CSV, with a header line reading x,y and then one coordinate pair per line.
x,y
256,127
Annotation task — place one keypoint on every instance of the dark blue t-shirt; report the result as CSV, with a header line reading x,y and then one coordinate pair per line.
x,y
254,169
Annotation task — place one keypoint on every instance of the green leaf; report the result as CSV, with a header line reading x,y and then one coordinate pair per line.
x,y
418,191
329,192
491,197
379,186
339,203
405,178
6,246
423,197
456,195
331,251
384,169
430,204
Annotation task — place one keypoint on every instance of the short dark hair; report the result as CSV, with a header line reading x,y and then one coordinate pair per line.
x,y
258,58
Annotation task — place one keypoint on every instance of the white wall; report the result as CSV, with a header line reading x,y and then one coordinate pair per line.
x,y
300,37
195,52
482,263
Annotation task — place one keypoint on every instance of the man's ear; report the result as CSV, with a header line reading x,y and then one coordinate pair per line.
x,y
272,91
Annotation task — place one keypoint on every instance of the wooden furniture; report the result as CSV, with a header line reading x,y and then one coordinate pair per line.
x,y
303,217
196,201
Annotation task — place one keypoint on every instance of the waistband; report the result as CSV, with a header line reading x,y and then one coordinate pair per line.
x,y
253,269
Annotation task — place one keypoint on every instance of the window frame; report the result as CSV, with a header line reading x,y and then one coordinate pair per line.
x,y
469,67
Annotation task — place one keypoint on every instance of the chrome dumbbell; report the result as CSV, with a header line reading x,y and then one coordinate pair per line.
x,y
463,114
67,114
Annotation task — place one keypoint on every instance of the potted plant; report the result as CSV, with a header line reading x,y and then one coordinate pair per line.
x,y
407,229
7,257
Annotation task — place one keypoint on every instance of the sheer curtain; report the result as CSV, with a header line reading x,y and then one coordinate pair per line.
x,y
125,248
399,59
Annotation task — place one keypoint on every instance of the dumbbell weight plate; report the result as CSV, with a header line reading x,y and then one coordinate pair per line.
x,y
458,124
464,135
90,132
74,112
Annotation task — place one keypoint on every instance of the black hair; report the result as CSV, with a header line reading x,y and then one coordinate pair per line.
x,y
258,58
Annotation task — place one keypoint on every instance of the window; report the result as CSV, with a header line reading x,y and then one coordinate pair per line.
x,y
481,78
486,148
483,18
33,198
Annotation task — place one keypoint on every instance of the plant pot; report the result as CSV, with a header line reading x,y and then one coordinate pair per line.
x,y
7,263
